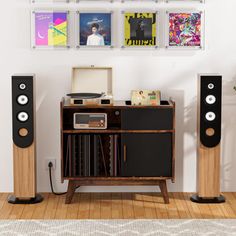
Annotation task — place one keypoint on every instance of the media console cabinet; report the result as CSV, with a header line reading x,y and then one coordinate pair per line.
x,y
137,148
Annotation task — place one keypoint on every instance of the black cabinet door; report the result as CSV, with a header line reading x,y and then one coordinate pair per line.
x,y
147,119
146,155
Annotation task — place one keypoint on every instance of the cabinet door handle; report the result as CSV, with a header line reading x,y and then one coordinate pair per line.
x,y
125,153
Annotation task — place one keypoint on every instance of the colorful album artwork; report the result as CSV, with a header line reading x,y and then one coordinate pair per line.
x,y
140,29
51,29
185,29
95,29
145,97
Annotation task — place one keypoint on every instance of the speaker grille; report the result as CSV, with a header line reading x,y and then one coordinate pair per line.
x,y
210,110
22,110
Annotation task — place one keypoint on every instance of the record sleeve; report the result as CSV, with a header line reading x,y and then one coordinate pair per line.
x,y
145,97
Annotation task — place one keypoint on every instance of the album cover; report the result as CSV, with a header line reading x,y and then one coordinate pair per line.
x,y
95,29
51,28
185,29
140,29
145,97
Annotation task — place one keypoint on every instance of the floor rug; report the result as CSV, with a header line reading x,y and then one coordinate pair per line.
x,y
118,227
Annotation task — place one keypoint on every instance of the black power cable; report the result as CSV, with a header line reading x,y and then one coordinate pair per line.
x,y
50,177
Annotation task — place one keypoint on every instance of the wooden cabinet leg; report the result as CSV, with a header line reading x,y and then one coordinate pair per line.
x,y
70,191
164,191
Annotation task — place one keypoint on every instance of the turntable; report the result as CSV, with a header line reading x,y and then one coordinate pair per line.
x,y
91,86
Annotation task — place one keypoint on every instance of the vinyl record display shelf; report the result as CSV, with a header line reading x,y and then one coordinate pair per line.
x,y
137,148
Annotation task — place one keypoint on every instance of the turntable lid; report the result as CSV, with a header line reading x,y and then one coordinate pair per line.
x,y
92,80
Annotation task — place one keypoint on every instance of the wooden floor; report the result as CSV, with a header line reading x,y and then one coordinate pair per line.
x,y
118,206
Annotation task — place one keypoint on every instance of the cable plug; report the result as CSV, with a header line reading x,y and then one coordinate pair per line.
x,y
50,165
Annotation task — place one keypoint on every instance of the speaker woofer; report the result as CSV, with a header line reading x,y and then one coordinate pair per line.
x,y
23,132
22,99
210,99
210,116
23,116
210,132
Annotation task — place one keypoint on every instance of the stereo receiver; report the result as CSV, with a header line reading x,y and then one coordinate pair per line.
x,y
90,121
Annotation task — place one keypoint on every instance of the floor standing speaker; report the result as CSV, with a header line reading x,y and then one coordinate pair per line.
x,y
209,139
24,145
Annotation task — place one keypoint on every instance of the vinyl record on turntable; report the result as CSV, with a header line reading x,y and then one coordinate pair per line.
x,y
85,95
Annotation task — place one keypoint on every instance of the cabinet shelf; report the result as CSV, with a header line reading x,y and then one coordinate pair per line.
x,y
118,105
114,131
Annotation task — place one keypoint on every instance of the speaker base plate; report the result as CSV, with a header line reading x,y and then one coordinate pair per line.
x,y
197,199
14,200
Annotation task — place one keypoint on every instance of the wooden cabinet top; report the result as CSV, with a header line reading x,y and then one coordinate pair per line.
x,y
116,104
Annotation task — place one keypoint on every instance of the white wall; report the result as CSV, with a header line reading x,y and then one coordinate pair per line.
x,y
175,73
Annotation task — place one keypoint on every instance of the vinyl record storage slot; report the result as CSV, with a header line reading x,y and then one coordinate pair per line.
x,y
136,148
91,155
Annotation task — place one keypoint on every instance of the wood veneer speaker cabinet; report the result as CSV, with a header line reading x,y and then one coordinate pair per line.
x,y
137,148
209,139
24,142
